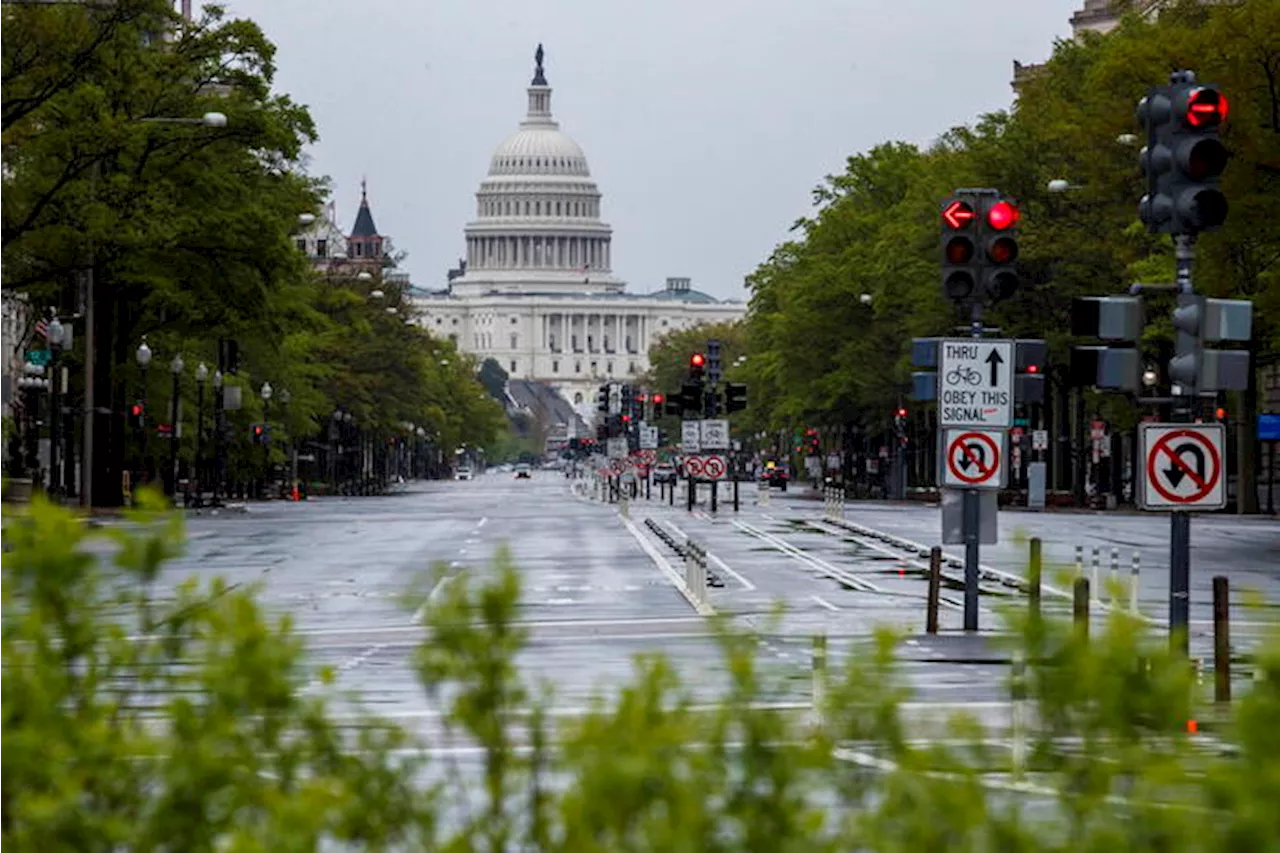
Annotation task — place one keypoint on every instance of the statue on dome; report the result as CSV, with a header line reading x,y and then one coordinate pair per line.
x,y
538,79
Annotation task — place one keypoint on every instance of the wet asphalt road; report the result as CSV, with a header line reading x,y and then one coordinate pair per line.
x,y
594,597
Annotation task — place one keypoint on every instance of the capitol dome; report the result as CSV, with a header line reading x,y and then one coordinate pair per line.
x,y
537,227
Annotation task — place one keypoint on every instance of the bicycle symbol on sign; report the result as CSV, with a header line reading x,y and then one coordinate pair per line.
x,y
964,375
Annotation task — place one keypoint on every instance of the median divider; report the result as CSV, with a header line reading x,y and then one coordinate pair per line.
x,y
692,583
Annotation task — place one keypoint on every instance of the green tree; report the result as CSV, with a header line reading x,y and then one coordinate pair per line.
x,y
135,713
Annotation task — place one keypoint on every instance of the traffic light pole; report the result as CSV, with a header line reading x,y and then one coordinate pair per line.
x,y
972,510
1180,522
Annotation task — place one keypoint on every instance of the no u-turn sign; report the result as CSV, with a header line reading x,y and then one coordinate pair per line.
x,y
1182,467
973,458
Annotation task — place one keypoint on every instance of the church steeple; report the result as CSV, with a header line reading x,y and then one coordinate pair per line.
x,y
364,242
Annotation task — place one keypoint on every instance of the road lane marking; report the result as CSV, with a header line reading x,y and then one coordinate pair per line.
x,y
431,597
481,522
822,601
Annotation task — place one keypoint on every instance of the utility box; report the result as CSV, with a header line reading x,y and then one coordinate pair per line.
x,y
1037,476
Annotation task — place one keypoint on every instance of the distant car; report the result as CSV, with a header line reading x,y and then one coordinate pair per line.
x,y
523,472
464,474
664,473
775,476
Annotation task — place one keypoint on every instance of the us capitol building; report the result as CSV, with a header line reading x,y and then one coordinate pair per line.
x,y
536,290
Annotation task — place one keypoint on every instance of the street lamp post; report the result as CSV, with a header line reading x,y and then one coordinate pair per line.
x,y
202,375
175,367
266,436
219,432
55,407
285,397
143,356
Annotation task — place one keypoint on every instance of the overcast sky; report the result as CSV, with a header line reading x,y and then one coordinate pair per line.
x,y
706,123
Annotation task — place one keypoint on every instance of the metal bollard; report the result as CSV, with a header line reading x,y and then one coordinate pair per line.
x,y
1080,606
1035,569
819,667
1079,561
1133,582
1221,641
935,584
1093,586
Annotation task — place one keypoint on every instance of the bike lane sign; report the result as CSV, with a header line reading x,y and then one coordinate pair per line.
x,y
975,382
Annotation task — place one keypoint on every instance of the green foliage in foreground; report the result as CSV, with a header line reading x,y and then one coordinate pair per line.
x,y
138,716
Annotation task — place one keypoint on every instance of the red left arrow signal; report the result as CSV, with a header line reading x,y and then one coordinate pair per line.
x,y
957,214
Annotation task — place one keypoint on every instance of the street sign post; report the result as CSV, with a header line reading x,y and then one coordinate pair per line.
x,y
690,436
975,379
1182,467
974,459
715,435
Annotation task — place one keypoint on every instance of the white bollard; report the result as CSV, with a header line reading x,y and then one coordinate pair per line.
x,y
819,668
1097,596
1018,711
1079,561
1115,575
1133,582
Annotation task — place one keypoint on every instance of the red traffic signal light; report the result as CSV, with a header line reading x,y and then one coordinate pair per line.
x,y
1220,413
1205,108
257,429
697,360
959,250
658,399
1003,250
902,412
957,214
136,410
626,419
1003,215
1033,368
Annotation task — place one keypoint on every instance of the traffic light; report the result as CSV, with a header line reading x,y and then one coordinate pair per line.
x,y
713,362
960,262
697,364
602,399
999,248
691,398
258,432
900,424
137,414
735,397
1029,359
658,400
1184,157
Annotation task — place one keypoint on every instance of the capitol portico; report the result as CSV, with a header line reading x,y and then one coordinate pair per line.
x,y
536,290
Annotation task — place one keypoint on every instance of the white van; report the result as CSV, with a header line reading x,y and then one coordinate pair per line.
x,y
463,474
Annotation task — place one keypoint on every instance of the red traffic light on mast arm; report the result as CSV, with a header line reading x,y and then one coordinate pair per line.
x,y
1003,215
1204,107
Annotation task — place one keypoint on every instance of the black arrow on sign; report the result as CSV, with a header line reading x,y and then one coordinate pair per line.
x,y
1175,473
995,360
973,454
